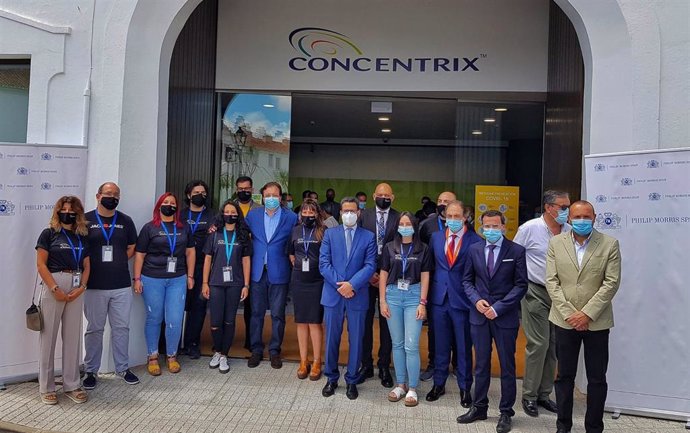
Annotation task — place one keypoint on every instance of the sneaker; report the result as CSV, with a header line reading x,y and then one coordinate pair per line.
x,y
129,377
224,367
427,374
89,381
215,361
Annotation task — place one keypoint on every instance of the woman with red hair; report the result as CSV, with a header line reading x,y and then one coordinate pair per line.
x,y
163,272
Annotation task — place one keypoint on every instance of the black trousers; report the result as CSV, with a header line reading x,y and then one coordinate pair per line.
x,y
386,345
224,302
196,312
568,342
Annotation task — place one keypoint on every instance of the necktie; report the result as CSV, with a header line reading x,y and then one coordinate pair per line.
x,y
450,254
348,241
380,228
490,261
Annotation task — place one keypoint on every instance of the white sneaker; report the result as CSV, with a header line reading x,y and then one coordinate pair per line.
x,y
215,361
224,367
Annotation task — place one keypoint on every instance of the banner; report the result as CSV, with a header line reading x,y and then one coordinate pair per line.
x,y
502,198
32,179
643,200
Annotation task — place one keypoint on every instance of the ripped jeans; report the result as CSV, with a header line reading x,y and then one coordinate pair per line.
x,y
164,298
405,330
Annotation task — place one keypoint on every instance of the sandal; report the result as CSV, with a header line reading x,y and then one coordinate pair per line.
x,y
411,399
153,367
173,365
49,398
77,395
396,394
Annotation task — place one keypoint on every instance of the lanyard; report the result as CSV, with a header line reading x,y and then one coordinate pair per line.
x,y
77,256
194,226
228,248
440,224
306,241
172,242
107,235
404,258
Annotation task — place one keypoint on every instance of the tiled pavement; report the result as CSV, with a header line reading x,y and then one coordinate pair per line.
x,y
264,400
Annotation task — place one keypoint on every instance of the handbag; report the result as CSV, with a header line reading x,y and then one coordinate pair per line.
x,y
34,317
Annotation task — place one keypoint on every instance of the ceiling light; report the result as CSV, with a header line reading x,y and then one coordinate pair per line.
x,y
386,130
269,105
500,109
384,119
475,132
489,120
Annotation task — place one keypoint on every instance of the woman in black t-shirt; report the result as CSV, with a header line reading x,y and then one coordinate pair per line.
x,y
226,278
163,271
306,285
63,264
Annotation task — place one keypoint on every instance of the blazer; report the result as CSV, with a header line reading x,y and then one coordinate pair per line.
x,y
358,269
503,290
589,288
278,263
367,220
447,281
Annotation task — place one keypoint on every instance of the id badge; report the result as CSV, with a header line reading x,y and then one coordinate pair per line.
x,y
227,274
76,280
305,265
403,284
107,253
172,264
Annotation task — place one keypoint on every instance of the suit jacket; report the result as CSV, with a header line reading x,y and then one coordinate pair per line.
x,y
278,264
503,290
357,269
429,226
447,281
367,220
589,288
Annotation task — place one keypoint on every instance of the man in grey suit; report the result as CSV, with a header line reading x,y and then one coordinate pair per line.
x,y
583,271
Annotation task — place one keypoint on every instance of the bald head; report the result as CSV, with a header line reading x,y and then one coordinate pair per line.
x,y
383,189
383,196
110,186
446,197
582,209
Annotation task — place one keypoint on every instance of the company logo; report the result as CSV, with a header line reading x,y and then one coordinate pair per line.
x,y
607,221
600,198
23,171
46,156
6,208
654,196
626,181
653,163
321,49
46,186
599,167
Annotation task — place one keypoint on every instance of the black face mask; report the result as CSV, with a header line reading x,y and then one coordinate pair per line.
x,y
309,221
330,197
198,200
67,217
110,203
441,210
230,219
244,196
383,203
168,210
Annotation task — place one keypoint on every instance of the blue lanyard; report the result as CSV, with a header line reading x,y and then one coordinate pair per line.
x,y
228,248
404,258
440,224
172,242
194,226
107,235
77,256
306,241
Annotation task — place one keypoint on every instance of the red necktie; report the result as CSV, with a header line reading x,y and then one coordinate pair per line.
x,y
450,254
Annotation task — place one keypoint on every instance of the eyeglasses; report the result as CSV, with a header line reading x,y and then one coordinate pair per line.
x,y
562,207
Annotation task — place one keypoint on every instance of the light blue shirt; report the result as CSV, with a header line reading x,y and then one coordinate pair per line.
x,y
354,228
496,251
580,249
270,226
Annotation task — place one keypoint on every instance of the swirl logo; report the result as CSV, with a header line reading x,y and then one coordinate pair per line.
x,y
316,41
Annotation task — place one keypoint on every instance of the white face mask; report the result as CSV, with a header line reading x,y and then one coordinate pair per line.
x,y
349,219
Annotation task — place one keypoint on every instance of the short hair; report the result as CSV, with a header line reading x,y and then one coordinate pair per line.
x,y
426,197
584,202
274,185
191,185
284,196
456,203
330,190
360,193
243,179
492,213
305,193
551,195
349,200
103,185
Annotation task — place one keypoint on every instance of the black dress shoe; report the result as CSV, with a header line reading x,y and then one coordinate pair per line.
x,y
385,376
505,424
351,391
435,393
562,430
465,398
329,389
254,360
472,415
549,405
530,407
364,374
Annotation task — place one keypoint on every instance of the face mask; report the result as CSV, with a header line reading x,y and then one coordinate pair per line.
x,y
383,203
349,219
454,225
230,219
198,200
110,203
362,204
330,197
441,210
244,196
492,235
168,210
405,231
272,203
308,221
562,217
289,204
67,217
582,227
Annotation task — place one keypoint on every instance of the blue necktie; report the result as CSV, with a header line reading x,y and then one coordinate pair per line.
x,y
490,261
348,241
380,229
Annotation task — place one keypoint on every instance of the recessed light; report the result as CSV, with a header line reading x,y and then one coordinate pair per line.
x,y
269,105
476,132
489,120
384,119
386,130
500,109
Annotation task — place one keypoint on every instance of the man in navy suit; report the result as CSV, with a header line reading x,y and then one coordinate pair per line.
x,y
449,304
271,227
347,261
495,281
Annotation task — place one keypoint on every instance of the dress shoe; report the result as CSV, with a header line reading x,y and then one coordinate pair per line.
x,y
549,405
254,360
504,424
427,374
435,393
472,415
562,430
465,398
276,362
364,373
351,391
385,376
530,407
329,389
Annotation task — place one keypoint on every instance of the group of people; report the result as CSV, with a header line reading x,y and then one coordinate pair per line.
x,y
556,278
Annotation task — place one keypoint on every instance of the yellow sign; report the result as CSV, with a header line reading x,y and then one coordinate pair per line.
x,y
503,198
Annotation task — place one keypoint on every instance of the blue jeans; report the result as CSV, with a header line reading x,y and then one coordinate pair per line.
x,y
405,330
164,299
264,296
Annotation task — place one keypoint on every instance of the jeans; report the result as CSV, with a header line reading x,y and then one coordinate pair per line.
x,y
224,302
264,296
405,330
164,299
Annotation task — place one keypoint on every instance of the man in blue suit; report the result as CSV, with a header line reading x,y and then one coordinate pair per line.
x,y
449,304
495,281
347,261
271,227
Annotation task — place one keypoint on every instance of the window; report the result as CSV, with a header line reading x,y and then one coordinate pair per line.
x,y
14,99
270,160
277,163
